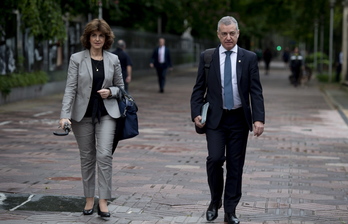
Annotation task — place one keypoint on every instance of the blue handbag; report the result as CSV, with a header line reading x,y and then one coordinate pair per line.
x,y
127,124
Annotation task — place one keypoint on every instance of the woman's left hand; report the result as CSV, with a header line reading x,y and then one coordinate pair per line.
x,y
104,93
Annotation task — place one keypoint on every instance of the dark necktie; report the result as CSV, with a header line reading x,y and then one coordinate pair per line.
x,y
228,89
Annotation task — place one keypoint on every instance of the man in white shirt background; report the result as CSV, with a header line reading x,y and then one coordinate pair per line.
x,y
161,60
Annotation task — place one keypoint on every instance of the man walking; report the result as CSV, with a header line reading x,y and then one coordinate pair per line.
x,y
126,63
161,60
296,67
234,92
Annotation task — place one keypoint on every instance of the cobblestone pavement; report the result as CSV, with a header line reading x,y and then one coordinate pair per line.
x,y
296,172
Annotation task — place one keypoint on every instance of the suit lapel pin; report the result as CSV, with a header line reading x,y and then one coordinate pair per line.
x,y
239,61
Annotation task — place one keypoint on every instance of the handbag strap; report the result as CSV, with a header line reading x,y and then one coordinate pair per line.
x,y
208,53
125,95
129,101
207,60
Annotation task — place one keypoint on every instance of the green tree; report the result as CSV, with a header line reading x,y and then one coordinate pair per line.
x,y
176,16
292,18
42,17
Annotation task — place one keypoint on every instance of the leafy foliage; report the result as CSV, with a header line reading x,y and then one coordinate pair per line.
x,y
293,18
7,82
322,58
42,17
176,16
323,77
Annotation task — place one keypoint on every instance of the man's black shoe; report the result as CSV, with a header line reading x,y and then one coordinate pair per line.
x,y
212,212
231,218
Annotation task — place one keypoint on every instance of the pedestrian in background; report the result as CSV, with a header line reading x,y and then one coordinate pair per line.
x,y
233,89
258,53
286,56
126,63
267,57
296,67
90,106
161,60
339,66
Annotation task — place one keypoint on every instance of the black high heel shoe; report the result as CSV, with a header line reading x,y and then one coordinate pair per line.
x,y
103,214
88,211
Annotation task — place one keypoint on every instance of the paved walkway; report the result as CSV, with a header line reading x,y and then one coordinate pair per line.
x,y
296,172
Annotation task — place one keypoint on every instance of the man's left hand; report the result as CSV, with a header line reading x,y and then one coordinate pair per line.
x,y
258,128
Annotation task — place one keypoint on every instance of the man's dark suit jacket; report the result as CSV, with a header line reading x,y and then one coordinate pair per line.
x,y
125,60
154,58
249,88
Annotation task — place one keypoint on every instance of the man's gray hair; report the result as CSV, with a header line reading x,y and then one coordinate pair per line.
x,y
227,20
121,44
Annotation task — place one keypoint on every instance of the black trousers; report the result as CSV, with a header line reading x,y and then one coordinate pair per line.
x,y
161,70
296,72
227,143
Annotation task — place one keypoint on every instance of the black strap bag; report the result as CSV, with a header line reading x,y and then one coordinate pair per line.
x,y
127,124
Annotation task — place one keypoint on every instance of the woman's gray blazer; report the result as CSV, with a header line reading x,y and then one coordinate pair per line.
x,y
79,85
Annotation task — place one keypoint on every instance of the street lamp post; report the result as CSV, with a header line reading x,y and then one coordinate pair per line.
x,y
332,4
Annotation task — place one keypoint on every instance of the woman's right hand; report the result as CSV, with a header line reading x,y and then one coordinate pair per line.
x,y
63,121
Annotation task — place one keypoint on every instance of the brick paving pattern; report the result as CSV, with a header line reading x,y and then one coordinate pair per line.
x,y
296,172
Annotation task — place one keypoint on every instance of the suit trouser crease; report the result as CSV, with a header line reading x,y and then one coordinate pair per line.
x,y
95,144
227,143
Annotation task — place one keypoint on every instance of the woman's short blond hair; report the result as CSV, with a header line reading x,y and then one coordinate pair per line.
x,y
101,26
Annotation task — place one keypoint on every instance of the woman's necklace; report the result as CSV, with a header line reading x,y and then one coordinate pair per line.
x,y
95,65
96,59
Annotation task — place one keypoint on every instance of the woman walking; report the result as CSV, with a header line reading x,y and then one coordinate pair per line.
x,y
90,106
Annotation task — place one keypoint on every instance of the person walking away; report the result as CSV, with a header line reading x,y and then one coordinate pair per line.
x,y
233,89
286,56
161,60
339,66
296,66
126,63
90,106
258,53
267,57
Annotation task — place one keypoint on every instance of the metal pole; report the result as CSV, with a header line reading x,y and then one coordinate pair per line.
x,y
18,34
344,74
332,4
321,45
66,44
315,67
100,15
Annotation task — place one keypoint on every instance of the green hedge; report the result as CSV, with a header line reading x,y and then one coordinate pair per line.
x,y
322,77
321,58
7,82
